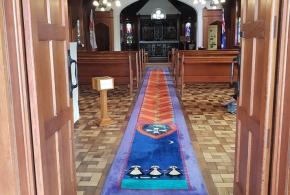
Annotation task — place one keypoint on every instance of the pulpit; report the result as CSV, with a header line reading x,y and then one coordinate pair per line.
x,y
103,84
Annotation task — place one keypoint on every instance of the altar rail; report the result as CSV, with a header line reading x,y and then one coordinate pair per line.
x,y
125,67
204,66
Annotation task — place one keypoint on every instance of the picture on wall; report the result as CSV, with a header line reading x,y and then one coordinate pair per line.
x,y
213,37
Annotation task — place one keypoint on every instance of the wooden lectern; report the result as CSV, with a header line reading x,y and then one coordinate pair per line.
x,y
103,84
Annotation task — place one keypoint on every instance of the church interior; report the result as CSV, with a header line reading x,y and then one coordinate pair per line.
x,y
161,97
162,43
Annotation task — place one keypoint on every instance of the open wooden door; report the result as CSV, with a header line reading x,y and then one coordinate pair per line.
x,y
280,169
46,39
255,110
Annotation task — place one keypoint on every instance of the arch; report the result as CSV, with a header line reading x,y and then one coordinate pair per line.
x,y
198,8
172,9
102,36
218,22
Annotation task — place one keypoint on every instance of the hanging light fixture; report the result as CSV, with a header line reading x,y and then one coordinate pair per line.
x,y
216,2
158,15
103,5
118,3
213,3
96,3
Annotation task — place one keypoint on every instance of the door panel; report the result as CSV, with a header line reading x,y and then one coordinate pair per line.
x,y
280,169
46,35
255,108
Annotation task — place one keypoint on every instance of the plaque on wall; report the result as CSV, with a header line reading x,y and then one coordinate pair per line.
x,y
212,37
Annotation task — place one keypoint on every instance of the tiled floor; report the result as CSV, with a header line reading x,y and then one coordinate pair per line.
x,y
94,146
212,131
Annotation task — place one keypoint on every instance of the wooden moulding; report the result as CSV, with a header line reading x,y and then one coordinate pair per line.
x,y
209,17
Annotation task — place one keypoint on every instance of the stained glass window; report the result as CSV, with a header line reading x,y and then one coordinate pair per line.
x,y
129,33
188,31
129,28
239,31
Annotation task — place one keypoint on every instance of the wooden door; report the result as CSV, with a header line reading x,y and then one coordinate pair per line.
x,y
46,40
255,107
103,37
280,169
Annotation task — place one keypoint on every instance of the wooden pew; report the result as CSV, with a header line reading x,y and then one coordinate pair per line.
x,y
142,62
173,65
204,66
224,52
124,67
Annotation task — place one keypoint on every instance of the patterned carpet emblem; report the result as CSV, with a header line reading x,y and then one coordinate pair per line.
x,y
156,156
156,131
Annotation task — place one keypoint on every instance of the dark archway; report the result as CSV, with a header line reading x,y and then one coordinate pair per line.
x,y
157,37
218,35
102,37
129,15
188,14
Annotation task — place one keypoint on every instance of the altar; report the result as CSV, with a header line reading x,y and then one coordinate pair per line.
x,y
158,49
158,30
158,37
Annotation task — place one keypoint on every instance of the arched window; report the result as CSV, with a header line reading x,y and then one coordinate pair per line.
x,y
129,28
187,32
129,33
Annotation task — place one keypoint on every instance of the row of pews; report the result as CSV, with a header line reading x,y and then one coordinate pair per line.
x,y
126,67
204,66
188,66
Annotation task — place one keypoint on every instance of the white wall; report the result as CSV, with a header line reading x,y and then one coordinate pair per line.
x,y
151,5
117,31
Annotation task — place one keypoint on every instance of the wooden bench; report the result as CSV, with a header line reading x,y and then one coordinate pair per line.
x,y
204,66
124,67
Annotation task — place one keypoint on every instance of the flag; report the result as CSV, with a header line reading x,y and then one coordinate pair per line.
x,y
92,32
224,39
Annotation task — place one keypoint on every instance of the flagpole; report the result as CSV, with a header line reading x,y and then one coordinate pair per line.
x,y
92,32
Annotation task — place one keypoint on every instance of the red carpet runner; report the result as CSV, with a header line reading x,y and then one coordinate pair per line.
x,y
156,155
157,106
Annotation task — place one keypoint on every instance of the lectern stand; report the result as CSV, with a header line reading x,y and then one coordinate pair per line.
x,y
103,84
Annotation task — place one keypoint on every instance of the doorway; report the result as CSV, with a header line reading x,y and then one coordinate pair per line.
x,y
103,37
51,156
158,30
